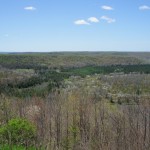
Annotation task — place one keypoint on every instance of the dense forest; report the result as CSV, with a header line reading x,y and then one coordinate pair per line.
x,y
75,101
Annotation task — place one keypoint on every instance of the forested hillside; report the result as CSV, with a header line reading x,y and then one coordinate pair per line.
x,y
68,59
75,101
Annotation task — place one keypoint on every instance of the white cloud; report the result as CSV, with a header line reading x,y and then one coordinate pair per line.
x,y
144,7
109,20
93,19
81,22
31,8
107,7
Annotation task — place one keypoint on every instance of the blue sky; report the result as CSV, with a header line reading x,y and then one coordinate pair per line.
x,y
74,25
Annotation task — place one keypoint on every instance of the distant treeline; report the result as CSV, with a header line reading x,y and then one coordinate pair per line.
x,y
67,60
21,62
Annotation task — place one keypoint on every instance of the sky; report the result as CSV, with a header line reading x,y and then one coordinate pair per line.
x,y
74,25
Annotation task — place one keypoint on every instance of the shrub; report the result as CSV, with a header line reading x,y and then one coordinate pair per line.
x,y
18,132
